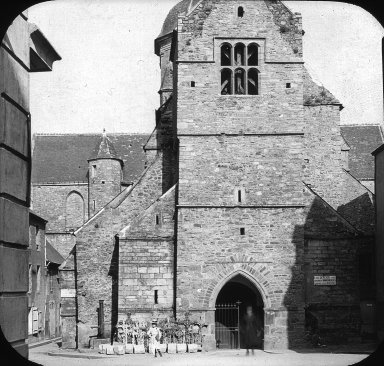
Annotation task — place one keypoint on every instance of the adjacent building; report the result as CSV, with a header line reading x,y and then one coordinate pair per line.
x,y
24,49
43,284
379,249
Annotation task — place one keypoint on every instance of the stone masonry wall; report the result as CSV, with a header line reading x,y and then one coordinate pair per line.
x,y
336,308
95,248
55,209
145,266
324,171
146,260
212,173
211,248
241,113
219,18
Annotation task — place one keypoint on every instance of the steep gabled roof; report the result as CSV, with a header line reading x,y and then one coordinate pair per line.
x,y
362,140
59,158
53,255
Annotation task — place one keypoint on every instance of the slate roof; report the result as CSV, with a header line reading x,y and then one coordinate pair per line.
x,y
104,149
59,158
362,140
170,22
52,254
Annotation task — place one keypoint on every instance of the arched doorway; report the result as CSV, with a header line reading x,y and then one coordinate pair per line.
x,y
231,307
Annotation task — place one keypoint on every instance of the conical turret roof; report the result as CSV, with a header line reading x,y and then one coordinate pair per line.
x,y
104,149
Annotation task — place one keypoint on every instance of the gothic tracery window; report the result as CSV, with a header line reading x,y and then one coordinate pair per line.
x,y
239,68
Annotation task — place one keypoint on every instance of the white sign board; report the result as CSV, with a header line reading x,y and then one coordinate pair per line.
x,y
68,292
324,280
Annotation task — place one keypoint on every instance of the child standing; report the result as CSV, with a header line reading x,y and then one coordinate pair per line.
x,y
154,334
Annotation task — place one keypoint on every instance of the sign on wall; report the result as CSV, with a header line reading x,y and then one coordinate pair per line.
x,y
324,280
68,292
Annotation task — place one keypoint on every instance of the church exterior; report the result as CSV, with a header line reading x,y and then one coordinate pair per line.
x,y
250,192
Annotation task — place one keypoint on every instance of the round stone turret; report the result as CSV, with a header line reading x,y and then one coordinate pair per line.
x,y
104,175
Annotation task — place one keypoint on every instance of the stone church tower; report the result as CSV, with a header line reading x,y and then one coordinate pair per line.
x,y
240,125
104,174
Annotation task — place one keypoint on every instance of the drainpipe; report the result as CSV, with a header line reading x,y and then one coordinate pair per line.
x,y
176,232
101,319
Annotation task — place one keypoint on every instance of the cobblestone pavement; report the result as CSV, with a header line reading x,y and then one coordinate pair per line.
x,y
214,358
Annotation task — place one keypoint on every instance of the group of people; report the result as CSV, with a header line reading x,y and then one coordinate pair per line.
x,y
250,328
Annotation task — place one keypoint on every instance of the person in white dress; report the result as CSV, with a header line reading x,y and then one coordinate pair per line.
x,y
154,334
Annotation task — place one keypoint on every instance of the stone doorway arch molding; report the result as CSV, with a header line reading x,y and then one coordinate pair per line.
x,y
259,274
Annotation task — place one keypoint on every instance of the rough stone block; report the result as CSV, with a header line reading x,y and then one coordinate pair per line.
x,y
209,343
171,348
129,348
163,347
109,349
192,348
181,348
119,349
139,348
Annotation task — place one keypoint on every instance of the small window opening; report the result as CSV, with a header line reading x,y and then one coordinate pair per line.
x,y
226,55
239,195
156,297
240,11
157,220
242,231
38,238
93,171
30,278
94,205
253,54
239,54
226,81
193,84
103,182
253,81
38,278
288,85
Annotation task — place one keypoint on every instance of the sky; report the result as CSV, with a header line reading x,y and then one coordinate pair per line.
x,y
109,75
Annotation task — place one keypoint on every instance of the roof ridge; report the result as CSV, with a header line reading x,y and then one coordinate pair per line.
x,y
144,212
346,222
88,133
358,181
359,125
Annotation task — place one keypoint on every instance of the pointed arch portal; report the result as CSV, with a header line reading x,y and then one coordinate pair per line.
x,y
232,327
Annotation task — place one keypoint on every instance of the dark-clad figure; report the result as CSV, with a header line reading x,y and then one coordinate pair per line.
x,y
251,330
